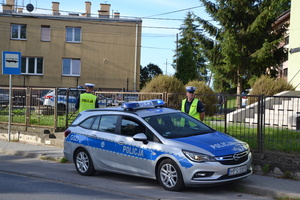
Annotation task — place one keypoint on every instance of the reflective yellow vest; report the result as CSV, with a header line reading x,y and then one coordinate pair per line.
x,y
193,109
87,101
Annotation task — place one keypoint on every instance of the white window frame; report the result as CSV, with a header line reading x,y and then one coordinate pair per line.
x,y
19,27
73,32
74,68
45,33
35,66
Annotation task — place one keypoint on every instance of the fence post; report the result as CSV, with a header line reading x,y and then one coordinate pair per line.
x,y
28,98
55,108
67,108
260,123
165,97
225,114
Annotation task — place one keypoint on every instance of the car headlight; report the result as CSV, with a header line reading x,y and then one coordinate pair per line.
x,y
198,157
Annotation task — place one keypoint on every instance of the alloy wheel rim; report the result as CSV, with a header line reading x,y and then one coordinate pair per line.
x,y
168,175
82,162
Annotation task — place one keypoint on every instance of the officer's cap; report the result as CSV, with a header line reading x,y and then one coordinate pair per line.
x,y
89,85
190,89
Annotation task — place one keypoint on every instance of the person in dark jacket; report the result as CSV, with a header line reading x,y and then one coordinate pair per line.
x,y
87,100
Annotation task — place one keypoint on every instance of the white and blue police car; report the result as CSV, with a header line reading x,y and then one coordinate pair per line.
x,y
149,140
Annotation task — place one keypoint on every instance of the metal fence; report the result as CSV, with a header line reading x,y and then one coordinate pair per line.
x,y
267,123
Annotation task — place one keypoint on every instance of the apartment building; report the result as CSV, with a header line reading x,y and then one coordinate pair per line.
x,y
69,50
294,46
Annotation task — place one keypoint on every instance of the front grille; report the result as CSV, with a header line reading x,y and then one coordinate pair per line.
x,y
233,159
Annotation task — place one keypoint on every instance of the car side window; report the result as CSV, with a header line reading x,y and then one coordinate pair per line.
x,y
95,124
108,123
61,92
87,123
130,127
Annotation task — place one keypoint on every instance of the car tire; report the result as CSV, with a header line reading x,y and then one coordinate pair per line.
x,y
170,176
83,163
61,107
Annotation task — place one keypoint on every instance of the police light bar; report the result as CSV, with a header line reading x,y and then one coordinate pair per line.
x,y
141,104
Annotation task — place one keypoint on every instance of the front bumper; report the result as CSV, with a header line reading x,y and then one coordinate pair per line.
x,y
210,173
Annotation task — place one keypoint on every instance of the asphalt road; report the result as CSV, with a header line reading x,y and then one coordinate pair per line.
x,y
30,178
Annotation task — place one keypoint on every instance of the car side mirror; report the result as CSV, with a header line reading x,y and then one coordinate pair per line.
x,y
141,137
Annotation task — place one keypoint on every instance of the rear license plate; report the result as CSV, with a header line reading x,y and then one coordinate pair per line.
x,y
237,170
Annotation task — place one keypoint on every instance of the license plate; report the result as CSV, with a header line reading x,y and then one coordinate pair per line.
x,y
237,170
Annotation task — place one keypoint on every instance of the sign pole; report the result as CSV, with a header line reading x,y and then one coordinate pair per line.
x,y
11,64
10,107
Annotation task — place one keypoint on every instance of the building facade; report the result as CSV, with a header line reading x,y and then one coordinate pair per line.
x,y
70,50
294,46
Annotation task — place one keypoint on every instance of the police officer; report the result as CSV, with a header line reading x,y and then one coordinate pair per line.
x,y
87,100
192,106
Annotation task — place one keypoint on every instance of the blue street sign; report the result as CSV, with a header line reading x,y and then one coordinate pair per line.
x,y
11,62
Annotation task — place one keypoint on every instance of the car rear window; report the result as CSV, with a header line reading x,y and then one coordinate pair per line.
x,y
105,123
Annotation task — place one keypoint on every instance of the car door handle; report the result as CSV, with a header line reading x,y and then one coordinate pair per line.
x,y
121,142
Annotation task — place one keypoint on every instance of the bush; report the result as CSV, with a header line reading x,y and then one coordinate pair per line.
x,y
269,87
169,84
164,83
204,93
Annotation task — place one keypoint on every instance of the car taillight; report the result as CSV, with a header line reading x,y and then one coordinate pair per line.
x,y
48,97
67,132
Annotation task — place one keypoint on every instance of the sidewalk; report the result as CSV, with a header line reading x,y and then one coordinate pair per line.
x,y
254,184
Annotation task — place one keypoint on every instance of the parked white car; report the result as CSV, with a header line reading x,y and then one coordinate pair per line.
x,y
74,94
63,100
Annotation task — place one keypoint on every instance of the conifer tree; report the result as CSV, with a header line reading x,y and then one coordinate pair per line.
x,y
243,42
189,64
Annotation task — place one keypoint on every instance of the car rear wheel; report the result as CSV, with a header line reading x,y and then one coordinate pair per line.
x,y
61,107
83,163
169,175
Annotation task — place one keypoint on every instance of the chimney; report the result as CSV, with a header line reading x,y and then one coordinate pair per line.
x,y
20,10
104,10
10,2
9,6
116,15
55,8
88,8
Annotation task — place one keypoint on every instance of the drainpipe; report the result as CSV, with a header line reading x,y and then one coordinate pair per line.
x,y
135,57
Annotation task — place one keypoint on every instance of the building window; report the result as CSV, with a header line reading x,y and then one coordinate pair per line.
x,y
32,66
71,67
73,34
18,31
45,33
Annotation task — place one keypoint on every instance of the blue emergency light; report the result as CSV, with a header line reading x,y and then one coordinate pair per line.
x,y
141,104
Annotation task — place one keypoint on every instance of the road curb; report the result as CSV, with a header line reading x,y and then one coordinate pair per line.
x,y
269,192
20,153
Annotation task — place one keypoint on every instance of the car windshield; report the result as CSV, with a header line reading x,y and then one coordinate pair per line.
x,y
177,125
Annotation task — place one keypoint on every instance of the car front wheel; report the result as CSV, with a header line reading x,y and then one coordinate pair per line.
x,y
83,163
169,175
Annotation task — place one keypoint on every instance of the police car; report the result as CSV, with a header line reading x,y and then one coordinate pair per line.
x,y
149,140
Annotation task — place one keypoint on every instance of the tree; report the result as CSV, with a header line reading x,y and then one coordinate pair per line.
x,y
148,73
243,43
189,64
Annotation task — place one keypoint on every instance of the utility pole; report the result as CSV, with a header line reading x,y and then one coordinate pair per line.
x,y
166,66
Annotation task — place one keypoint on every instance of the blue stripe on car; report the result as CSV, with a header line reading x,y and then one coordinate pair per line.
x,y
128,150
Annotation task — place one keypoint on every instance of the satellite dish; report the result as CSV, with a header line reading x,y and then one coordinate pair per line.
x,y
29,7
